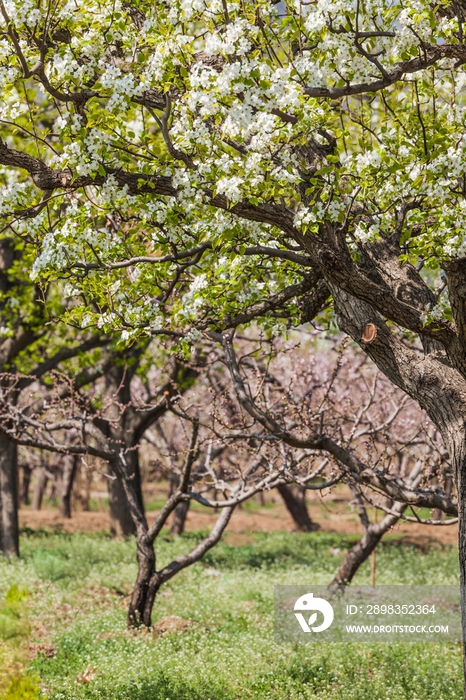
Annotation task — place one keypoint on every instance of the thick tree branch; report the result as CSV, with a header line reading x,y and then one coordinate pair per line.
x,y
310,283
427,57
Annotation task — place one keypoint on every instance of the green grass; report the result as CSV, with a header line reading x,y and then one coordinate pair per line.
x,y
77,585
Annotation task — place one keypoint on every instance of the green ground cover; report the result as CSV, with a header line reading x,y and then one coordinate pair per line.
x,y
76,598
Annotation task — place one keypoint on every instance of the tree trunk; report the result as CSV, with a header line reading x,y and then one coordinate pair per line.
x,y
69,473
179,518
121,521
145,588
373,533
25,483
39,488
361,551
9,528
84,487
149,580
295,501
53,478
458,456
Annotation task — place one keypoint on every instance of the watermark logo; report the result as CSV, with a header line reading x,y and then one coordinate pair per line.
x,y
367,614
307,603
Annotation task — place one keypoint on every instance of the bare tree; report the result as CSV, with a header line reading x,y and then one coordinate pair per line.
x,y
226,441
367,432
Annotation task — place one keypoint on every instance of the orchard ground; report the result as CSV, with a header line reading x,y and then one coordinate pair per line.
x,y
213,623
332,512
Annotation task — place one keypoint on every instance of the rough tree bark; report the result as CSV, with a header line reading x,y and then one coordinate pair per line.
x,y
295,501
122,523
9,527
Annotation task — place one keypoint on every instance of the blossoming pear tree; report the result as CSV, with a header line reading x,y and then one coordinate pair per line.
x,y
191,165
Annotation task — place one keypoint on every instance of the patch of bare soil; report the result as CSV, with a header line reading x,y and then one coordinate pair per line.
x,y
173,624
36,648
49,519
